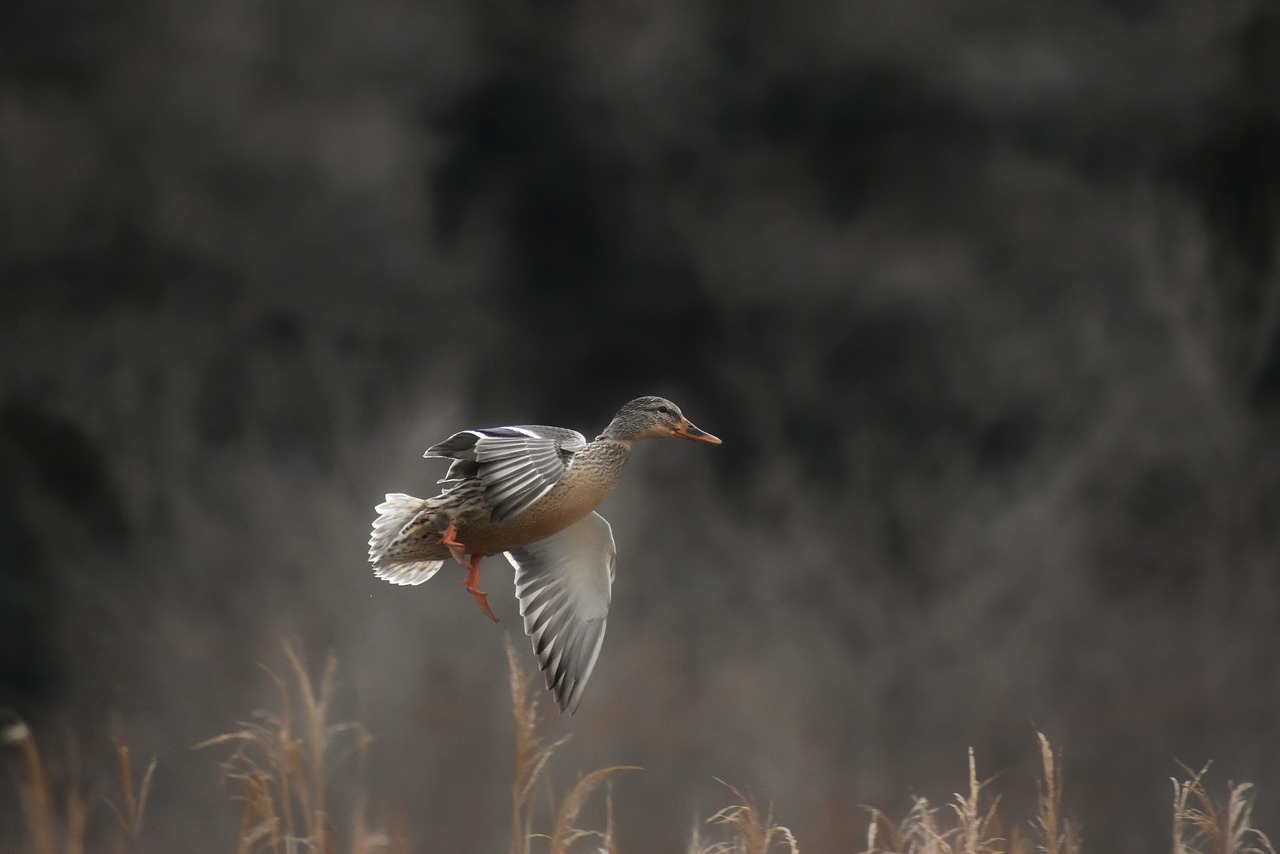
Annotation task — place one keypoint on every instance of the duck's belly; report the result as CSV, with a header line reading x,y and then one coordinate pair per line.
x,y
565,504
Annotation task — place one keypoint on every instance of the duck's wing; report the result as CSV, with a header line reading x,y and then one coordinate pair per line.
x,y
516,465
563,583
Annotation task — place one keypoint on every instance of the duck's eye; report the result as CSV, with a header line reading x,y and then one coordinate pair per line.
x,y
665,410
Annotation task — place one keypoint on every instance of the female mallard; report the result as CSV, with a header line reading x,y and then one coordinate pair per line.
x,y
529,492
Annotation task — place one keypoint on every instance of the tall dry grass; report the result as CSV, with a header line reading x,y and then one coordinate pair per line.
x,y
280,767
532,755
745,828
56,815
1203,826
282,763
972,823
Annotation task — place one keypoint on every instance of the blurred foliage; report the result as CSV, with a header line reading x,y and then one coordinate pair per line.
x,y
983,300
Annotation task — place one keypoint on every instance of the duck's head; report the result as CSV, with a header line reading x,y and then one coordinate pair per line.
x,y
653,418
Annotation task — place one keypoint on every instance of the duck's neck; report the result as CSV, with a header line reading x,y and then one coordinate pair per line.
x,y
615,432
597,467
605,446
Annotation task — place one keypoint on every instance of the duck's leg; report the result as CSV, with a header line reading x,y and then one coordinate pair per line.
x,y
457,549
472,581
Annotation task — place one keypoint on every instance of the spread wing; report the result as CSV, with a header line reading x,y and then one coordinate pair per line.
x,y
563,584
516,465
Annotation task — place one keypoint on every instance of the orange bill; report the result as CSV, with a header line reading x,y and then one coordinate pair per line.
x,y
686,430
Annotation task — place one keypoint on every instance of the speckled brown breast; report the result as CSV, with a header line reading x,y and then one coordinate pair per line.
x,y
587,482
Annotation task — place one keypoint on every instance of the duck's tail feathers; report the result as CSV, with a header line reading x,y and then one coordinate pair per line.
x,y
408,573
398,546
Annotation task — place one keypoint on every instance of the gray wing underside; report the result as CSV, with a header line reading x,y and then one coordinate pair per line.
x,y
516,465
564,584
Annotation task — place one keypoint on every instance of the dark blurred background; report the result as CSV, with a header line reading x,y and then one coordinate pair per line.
x,y
983,298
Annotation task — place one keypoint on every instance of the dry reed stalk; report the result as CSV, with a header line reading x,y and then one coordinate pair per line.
x,y
75,810
280,769
973,830
48,833
34,790
1057,835
532,755
1198,821
565,833
924,832
976,828
751,831
130,813
881,823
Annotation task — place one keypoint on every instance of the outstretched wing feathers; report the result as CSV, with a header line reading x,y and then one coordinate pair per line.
x,y
517,465
564,585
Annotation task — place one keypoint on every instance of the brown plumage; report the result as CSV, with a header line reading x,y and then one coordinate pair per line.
x,y
529,492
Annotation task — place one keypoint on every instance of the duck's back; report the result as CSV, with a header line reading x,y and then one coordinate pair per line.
x,y
588,480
